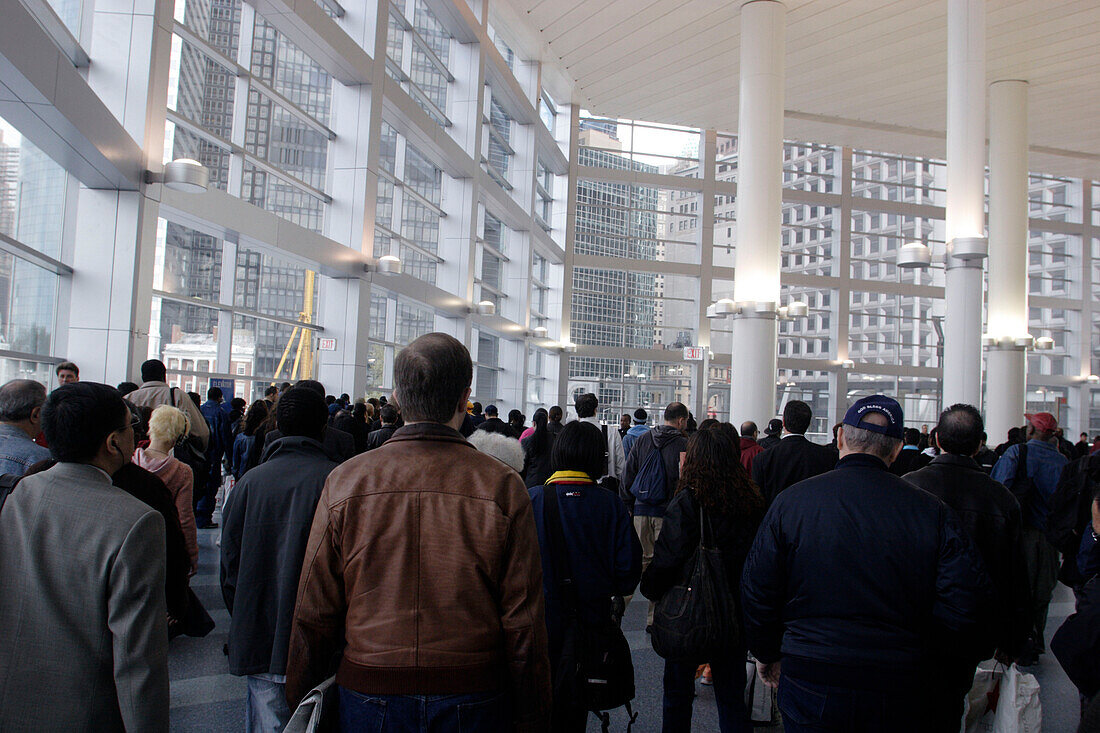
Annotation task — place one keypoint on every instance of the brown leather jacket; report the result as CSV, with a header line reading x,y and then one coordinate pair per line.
x,y
423,555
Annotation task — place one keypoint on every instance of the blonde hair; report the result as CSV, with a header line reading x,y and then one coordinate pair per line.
x,y
168,423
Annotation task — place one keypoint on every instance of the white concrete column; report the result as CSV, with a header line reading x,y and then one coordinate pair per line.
x,y
962,351
759,210
1006,362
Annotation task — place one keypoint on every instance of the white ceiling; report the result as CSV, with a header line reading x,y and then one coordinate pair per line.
x,y
866,73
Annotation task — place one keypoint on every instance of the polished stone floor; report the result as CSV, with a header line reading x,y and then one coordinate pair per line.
x,y
205,697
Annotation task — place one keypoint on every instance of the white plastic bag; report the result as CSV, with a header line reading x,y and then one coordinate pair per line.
x,y
1003,701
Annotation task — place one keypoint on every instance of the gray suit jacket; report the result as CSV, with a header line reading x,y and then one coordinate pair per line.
x,y
83,632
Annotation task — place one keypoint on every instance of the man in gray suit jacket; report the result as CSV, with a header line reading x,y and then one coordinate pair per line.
x,y
84,641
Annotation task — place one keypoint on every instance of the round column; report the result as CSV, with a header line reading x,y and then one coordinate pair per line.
x,y
965,214
759,210
1007,330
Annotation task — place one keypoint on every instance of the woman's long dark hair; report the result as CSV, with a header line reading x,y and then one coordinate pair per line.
x,y
579,447
255,417
538,444
713,472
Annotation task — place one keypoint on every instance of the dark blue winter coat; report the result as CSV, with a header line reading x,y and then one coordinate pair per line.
x,y
604,553
859,579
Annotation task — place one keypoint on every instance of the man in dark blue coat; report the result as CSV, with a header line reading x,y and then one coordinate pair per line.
x,y
856,583
221,443
266,523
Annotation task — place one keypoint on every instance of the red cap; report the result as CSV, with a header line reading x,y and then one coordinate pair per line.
x,y
1043,421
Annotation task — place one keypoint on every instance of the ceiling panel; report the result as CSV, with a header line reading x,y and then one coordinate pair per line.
x,y
870,70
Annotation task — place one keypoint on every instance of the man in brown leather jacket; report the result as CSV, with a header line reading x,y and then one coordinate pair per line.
x,y
423,556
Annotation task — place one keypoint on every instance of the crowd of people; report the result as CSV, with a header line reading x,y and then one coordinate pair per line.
x,y
451,570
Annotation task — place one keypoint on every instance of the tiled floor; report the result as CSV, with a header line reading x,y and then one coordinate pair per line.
x,y
205,697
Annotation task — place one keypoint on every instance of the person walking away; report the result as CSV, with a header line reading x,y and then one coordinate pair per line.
x,y
605,558
1031,472
220,445
910,459
985,455
991,517
85,642
714,491
516,422
477,415
246,453
166,426
448,621
265,526
651,477
537,447
340,445
772,434
353,422
854,582
555,415
637,430
750,449
794,459
386,431
21,403
154,392
586,405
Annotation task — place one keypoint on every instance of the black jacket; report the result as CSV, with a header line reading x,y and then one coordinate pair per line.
x,y
990,515
671,442
536,466
339,445
380,436
1076,644
147,487
768,442
858,579
265,526
908,461
345,421
496,425
794,459
679,538
1070,514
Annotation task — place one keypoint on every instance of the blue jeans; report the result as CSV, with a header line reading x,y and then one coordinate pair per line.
x,y
477,711
729,693
266,710
810,707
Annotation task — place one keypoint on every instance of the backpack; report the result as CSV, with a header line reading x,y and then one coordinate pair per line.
x,y
1069,517
651,483
595,671
698,618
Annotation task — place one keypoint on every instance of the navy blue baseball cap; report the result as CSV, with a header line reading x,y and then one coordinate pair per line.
x,y
883,405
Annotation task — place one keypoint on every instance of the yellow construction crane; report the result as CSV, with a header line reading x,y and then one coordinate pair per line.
x,y
303,358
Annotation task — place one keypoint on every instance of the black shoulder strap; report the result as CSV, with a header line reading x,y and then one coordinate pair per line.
x,y
1021,465
556,535
7,485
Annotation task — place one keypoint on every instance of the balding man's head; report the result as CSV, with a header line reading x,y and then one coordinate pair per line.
x,y
431,376
749,429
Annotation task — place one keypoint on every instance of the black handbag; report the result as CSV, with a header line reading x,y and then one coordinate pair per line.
x,y
698,618
595,671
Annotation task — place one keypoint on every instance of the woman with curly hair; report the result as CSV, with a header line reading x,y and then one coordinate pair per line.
x,y
249,442
714,484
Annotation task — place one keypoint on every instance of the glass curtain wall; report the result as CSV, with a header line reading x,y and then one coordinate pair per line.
x,y
871,326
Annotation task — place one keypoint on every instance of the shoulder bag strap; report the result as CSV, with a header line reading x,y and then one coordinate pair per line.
x,y
556,535
1021,466
7,485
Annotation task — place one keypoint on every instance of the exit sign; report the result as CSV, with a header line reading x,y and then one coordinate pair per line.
x,y
326,344
693,353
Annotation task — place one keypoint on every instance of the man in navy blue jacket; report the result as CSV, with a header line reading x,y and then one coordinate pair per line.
x,y
855,584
